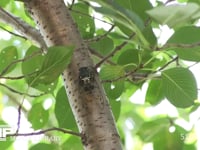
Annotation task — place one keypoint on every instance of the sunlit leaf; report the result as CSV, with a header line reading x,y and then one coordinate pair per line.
x,y
174,15
168,140
150,130
42,146
70,144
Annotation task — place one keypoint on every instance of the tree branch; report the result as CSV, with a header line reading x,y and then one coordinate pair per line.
x,y
25,29
18,92
95,39
95,53
46,130
23,37
117,48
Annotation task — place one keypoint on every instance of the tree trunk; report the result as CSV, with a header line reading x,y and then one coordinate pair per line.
x,y
86,95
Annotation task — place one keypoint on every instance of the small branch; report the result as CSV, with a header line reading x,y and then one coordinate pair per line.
x,y
193,65
178,45
117,48
95,39
124,76
72,4
20,93
47,130
95,53
84,14
25,29
23,37
19,115
164,66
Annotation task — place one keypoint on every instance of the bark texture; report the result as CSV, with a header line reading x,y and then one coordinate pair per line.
x,y
90,107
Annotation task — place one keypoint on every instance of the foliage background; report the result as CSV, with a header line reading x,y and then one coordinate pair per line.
x,y
165,116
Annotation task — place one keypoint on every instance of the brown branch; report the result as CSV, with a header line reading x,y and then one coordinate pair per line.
x,y
178,45
23,27
72,4
47,130
84,14
117,48
124,76
168,63
95,53
20,93
23,37
95,39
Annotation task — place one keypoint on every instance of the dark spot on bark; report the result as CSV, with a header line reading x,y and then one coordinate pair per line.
x,y
44,27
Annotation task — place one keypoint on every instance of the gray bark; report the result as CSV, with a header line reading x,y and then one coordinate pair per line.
x,y
90,107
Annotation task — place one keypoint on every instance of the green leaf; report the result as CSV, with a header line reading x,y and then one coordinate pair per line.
x,y
169,141
186,35
73,143
139,7
42,146
3,3
154,92
129,56
136,6
150,130
55,61
115,89
32,64
62,107
103,46
179,86
109,72
7,56
125,17
174,15
38,116
116,108
85,23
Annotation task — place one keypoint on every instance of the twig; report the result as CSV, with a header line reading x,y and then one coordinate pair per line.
x,y
17,61
19,115
23,37
47,130
124,76
20,93
164,66
179,45
117,48
72,4
95,53
25,29
193,65
95,39
84,14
